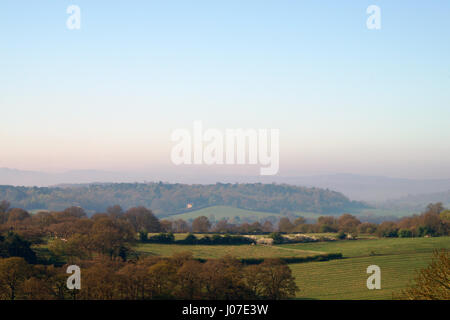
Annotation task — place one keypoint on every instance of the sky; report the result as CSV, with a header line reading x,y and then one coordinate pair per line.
x,y
109,95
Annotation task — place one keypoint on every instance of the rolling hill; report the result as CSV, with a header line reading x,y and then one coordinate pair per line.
x,y
170,199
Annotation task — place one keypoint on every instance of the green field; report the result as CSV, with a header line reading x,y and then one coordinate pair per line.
x,y
221,212
386,246
346,279
218,251
398,259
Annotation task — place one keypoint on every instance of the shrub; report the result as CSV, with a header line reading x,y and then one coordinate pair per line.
x,y
326,228
277,237
162,238
423,231
405,233
341,235
143,236
387,229
190,239
216,240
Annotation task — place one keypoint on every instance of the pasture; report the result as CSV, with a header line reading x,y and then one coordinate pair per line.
x,y
220,212
219,251
376,246
346,278
398,258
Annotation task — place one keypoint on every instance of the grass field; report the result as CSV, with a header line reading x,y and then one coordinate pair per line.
x,y
218,251
221,212
346,279
398,258
387,246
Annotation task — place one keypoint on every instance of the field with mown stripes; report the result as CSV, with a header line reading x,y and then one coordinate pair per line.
x,y
377,246
398,259
346,278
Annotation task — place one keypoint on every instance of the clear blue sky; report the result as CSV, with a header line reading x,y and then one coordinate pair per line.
x,y
346,99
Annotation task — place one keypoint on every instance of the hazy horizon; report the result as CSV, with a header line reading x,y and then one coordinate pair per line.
x,y
374,189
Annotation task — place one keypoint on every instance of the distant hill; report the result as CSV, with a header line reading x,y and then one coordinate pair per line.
x,y
371,188
167,199
375,189
417,203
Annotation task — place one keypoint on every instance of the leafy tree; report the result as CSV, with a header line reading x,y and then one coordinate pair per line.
x,y
13,272
142,219
115,211
267,226
189,280
348,223
277,237
367,227
285,225
327,224
275,280
223,226
110,237
16,215
201,224
387,229
180,226
162,279
15,246
166,225
445,216
432,282
223,279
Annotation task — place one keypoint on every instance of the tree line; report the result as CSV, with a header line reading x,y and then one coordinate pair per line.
x,y
178,277
434,221
72,225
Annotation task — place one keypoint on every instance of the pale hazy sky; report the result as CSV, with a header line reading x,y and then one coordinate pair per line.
x,y
108,96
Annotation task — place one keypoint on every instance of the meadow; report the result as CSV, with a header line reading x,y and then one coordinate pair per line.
x,y
375,246
227,212
222,212
398,258
218,251
346,278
